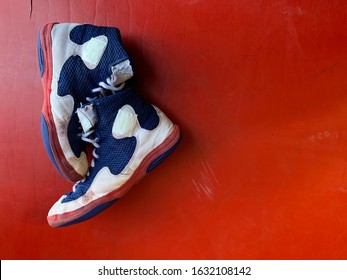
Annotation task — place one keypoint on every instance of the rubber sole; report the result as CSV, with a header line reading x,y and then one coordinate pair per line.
x,y
152,160
48,130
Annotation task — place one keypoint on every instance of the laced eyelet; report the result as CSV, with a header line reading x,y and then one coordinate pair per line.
x,y
100,91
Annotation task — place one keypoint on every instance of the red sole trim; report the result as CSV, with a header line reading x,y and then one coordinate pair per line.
x,y
46,45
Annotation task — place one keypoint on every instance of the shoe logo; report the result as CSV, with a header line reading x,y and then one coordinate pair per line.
x,y
125,122
93,50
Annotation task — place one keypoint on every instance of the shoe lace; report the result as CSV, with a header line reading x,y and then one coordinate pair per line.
x,y
88,137
104,88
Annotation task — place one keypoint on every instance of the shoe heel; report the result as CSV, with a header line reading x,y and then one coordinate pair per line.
x,y
176,138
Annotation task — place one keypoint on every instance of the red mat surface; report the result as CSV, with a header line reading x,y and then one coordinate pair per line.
x,y
259,91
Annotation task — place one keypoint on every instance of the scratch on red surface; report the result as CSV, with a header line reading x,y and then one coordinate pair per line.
x,y
206,183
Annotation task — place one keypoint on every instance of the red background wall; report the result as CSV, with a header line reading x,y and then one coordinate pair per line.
x,y
259,91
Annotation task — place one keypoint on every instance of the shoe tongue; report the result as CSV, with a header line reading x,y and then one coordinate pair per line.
x,y
87,117
121,72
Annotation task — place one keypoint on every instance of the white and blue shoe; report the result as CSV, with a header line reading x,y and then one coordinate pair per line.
x,y
131,137
74,60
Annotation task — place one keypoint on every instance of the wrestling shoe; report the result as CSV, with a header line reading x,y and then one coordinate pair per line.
x,y
76,61
131,137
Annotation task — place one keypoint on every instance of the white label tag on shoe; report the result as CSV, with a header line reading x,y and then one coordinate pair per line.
x,y
93,50
121,72
87,117
125,123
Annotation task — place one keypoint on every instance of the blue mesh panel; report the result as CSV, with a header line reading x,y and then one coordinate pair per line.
x,y
147,115
78,81
73,82
115,153
107,110
114,52
75,140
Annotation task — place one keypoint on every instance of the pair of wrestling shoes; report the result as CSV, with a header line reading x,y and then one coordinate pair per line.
x,y
84,70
